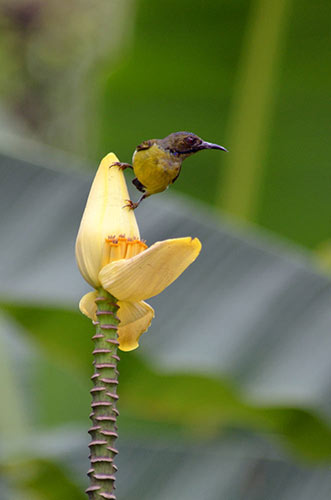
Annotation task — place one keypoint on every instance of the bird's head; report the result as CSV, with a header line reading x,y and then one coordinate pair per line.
x,y
184,144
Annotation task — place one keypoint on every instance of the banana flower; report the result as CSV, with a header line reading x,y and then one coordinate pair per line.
x,y
110,254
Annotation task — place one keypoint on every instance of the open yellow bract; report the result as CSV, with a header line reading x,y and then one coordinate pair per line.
x,y
110,254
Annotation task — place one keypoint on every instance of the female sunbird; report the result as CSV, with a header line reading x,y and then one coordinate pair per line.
x,y
157,162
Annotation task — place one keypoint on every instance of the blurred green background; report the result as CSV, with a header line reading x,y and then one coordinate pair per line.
x,y
87,78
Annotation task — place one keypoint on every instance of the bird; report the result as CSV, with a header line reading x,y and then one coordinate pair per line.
x,y
157,162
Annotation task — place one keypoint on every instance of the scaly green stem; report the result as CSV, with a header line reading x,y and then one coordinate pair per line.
x,y
104,397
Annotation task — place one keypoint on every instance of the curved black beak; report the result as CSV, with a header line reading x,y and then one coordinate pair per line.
x,y
210,145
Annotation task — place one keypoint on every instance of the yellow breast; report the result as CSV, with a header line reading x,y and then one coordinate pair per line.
x,y
155,168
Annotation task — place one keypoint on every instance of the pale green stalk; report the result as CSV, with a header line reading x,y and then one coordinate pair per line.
x,y
253,104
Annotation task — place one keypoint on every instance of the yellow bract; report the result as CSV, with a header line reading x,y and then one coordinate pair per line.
x,y
135,318
150,272
110,254
103,216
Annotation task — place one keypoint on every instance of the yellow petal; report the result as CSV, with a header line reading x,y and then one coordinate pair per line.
x,y
150,272
136,318
88,306
103,216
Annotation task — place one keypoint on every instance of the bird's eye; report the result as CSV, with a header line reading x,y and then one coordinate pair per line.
x,y
190,140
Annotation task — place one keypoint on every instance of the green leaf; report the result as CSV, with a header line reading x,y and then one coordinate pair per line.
x,y
42,479
181,403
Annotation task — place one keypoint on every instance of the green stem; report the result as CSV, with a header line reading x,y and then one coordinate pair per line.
x,y
253,104
104,397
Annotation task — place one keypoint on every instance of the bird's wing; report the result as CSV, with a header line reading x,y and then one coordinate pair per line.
x,y
145,145
175,178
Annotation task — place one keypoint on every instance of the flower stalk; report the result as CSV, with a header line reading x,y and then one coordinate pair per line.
x,y
104,398
117,263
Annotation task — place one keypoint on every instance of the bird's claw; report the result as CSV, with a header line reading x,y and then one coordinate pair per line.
x,y
131,205
120,165
117,164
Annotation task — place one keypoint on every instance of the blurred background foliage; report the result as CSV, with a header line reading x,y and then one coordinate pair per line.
x,y
251,75
87,78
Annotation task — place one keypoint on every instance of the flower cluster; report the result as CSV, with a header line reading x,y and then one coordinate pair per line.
x,y
110,254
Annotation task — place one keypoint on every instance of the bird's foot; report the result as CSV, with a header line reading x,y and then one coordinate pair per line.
x,y
131,204
121,165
